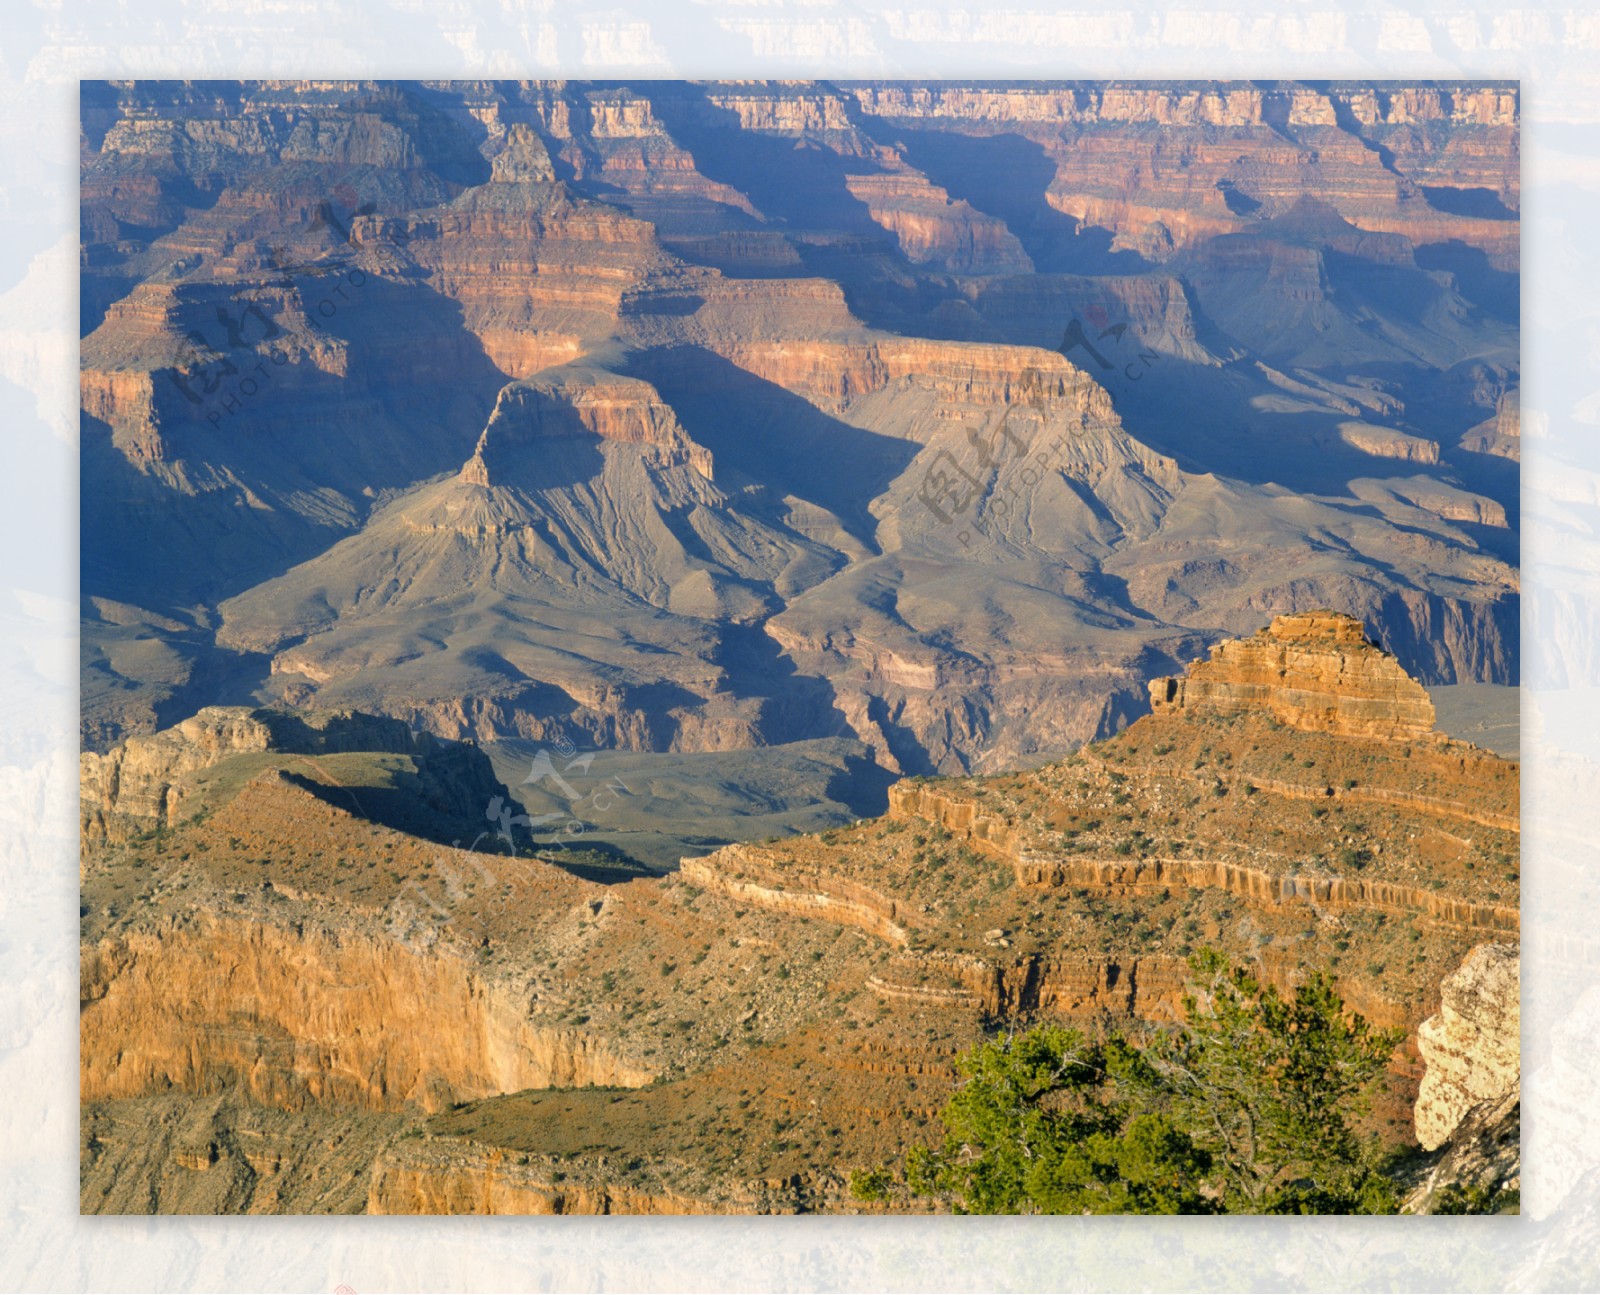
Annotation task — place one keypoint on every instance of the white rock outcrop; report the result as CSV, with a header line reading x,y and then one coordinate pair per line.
x,y
1472,1045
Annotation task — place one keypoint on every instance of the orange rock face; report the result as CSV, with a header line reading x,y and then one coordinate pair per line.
x,y
1316,671
299,1017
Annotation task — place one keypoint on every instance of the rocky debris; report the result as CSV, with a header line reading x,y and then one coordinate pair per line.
x,y
1472,1047
1311,670
178,1153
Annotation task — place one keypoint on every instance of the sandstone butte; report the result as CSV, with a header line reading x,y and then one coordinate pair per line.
x,y
1312,670
288,1005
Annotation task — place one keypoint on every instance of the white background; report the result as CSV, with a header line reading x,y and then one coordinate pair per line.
x,y
46,47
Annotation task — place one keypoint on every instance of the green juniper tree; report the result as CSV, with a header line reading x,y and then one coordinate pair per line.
x,y
1247,1108
1271,1086
1050,1122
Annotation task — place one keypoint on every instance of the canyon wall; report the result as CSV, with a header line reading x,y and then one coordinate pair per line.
x,y
750,873
296,1016
141,783
579,403
150,781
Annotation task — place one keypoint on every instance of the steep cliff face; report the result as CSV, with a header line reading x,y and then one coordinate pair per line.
x,y
583,404
1500,435
297,1017
932,230
1473,1047
140,784
1367,147
540,276
1315,671
1193,105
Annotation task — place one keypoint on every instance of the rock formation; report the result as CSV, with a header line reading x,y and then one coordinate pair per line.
x,y
1483,1151
585,404
1502,434
1472,1048
1311,670
296,1017
139,784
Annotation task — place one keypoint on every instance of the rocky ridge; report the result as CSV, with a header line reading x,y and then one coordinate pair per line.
x,y
1472,1048
152,783
562,1044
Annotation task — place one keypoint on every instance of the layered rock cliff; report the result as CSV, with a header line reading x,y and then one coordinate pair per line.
x,y
1272,131
153,782
584,404
1317,671
297,1017
139,784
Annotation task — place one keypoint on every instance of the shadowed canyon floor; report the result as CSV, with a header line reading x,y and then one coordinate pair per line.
x,y
289,1006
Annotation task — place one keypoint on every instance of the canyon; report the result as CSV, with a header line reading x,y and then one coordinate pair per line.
x,y
696,418
317,1010
626,625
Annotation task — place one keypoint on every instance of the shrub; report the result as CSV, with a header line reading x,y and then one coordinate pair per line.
x,y
871,1184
